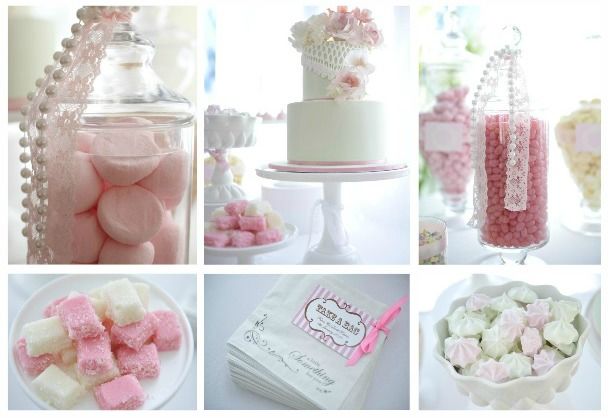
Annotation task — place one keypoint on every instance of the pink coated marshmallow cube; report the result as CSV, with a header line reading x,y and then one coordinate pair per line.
x,y
123,392
242,239
143,363
78,318
33,366
236,208
168,334
227,222
93,355
135,334
217,239
51,309
252,223
269,236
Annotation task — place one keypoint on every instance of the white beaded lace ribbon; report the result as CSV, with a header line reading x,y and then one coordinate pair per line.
x,y
518,135
49,125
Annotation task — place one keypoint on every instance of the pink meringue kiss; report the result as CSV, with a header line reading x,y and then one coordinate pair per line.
x,y
493,371
462,351
538,314
545,360
512,322
477,302
531,341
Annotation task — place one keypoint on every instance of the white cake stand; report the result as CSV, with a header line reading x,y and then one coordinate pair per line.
x,y
328,250
247,255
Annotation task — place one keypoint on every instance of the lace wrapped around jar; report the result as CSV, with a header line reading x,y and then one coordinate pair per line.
x,y
106,152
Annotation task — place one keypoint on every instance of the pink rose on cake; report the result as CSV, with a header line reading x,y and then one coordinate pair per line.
x,y
359,60
363,15
371,35
348,84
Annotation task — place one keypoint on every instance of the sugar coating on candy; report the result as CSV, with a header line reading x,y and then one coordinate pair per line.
x,y
93,355
57,388
123,158
143,363
45,336
515,229
90,381
452,168
135,334
68,356
242,239
121,393
225,223
257,208
274,221
253,223
88,185
168,243
87,237
51,309
114,252
143,290
234,208
79,318
130,215
269,236
168,334
217,239
33,366
124,304
169,180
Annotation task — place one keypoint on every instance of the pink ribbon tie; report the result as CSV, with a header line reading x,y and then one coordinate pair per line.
x,y
369,342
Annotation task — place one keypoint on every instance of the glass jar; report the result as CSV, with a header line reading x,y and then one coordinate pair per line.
x,y
445,119
578,136
117,188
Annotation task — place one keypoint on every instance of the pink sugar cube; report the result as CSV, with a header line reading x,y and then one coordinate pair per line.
x,y
93,355
32,365
252,223
135,334
227,222
142,363
123,392
168,334
216,239
51,309
242,239
236,208
78,317
268,236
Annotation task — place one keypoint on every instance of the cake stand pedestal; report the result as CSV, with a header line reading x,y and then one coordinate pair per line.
x,y
333,247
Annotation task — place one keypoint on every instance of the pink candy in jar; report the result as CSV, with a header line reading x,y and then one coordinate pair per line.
x,y
511,228
444,142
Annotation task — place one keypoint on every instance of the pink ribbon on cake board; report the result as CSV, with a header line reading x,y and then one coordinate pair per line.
x,y
369,342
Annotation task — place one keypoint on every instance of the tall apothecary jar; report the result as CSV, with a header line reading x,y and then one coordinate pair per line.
x,y
117,188
447,72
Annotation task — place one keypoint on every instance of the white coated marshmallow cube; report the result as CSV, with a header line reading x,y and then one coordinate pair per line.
x,y
257,208
45,336
57,388
90,381
143,293
124,304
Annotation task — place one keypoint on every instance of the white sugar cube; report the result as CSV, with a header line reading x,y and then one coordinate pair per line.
x,y
45,336
97,293
143,293
257,208
89,381
124,305
57,388
99,306
68,356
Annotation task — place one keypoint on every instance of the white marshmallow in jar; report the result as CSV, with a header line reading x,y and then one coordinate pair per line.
x,y
114,185
578,136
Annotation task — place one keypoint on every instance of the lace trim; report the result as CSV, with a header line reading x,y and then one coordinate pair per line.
x,y
49,226
327,59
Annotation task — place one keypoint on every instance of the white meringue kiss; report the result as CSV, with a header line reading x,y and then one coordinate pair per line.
x,y
560,332
500,303
494,344
477,302
519,365
522,294
466,324
565,310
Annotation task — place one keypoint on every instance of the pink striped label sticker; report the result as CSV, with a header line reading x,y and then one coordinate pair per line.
x,y
333,321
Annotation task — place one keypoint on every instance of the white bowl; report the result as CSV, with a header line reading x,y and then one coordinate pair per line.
x,y
525,392
229,131
174,364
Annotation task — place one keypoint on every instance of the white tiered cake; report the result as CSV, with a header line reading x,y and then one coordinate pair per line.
x,y
333,125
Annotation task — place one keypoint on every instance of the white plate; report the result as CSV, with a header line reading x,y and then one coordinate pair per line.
x,y
174,364
593,314
289,236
